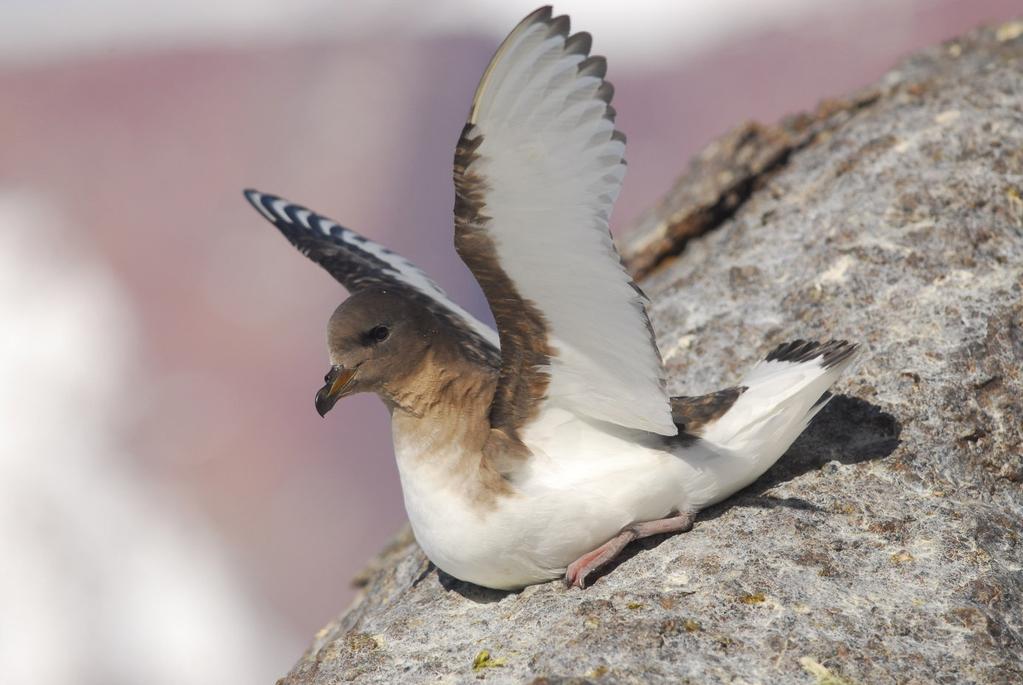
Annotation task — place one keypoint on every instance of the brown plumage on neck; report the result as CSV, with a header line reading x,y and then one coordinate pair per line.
x,y
439,396
443,407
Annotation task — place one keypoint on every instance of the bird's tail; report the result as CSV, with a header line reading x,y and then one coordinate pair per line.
x,y
770,408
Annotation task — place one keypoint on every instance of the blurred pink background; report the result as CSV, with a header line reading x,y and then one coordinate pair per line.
x,y
172,509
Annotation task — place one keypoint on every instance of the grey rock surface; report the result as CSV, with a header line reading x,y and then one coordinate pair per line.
x,y
885,547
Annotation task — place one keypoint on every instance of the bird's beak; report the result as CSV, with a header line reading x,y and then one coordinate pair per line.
x,y
339,379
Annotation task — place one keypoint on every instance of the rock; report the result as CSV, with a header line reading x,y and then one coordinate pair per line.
x,y
885,547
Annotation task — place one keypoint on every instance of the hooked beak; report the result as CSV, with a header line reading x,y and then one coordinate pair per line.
x,y
339,379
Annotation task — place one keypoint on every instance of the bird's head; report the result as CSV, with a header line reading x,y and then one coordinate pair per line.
x,y
376,340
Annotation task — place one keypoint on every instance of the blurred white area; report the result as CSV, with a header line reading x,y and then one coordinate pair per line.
x,y
103,580
637,32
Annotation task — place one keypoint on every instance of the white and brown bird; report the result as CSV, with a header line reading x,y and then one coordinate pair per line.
x,y
542,449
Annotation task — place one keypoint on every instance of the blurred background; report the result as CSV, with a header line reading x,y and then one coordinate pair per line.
x,y
172,509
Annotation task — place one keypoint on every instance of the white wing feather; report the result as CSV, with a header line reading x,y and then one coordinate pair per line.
x,y
553,166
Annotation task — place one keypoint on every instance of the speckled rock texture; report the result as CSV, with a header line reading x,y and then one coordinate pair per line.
x,y
885,547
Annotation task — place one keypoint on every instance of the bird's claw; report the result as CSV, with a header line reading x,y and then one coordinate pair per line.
x,y
575,578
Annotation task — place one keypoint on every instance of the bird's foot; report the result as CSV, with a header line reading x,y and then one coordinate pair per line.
x,y
582,567
590,562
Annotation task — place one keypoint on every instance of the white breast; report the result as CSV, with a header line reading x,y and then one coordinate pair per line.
x,y
583,485
460,536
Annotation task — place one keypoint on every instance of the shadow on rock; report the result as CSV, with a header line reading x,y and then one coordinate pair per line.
x,y
471,592
849,430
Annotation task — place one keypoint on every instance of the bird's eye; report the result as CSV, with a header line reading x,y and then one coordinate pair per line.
x,y
379,333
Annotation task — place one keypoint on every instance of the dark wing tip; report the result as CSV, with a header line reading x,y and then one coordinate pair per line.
x,y
559,25
293,220
579,43
252,196
262,203
540,14
837,351
831,353
255,196
594,65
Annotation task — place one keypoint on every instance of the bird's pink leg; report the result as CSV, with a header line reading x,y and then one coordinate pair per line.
x,y
590,562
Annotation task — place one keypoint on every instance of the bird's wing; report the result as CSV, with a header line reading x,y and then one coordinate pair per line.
x,y
537,170
358,263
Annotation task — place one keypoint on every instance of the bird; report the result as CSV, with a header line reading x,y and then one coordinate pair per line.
x,y
542,449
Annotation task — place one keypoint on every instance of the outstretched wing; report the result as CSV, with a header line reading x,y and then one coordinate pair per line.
x,y
359,263
537,170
